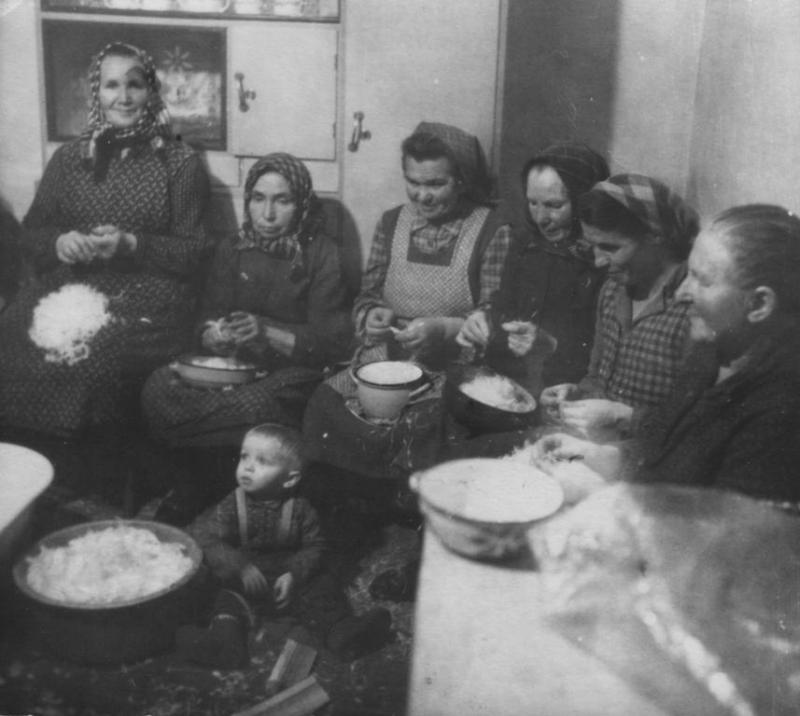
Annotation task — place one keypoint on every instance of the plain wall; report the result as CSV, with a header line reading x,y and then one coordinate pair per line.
x,y
21,118
746,139
658,56
619,75
559,83
705,95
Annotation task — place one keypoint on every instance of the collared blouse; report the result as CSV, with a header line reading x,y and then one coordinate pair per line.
x,y
636,361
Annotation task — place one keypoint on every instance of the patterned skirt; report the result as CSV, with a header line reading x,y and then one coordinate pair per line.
x,y
183,415
149,327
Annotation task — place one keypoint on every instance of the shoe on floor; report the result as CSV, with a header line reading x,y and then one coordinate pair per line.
x,y
231,603
355,636
396,585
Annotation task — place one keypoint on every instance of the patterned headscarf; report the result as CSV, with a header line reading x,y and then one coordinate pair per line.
x,y
659,208
466,153
308,216
101,137
580,168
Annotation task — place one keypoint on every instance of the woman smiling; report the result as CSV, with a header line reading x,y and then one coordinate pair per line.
x,y
434,259
641,232
120,211
538,327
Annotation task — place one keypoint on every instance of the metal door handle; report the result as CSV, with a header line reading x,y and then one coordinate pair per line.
x,y
244,94
359,132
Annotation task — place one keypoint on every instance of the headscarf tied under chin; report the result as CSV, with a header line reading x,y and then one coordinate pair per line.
x,y
308,217
101,138
466,152
579,167
661,210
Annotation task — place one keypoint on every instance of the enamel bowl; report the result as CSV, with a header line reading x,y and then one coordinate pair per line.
x,y
213,371
24,475
487,402
482,508
385,387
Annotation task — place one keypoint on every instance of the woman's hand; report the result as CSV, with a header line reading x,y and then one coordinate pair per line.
x,y
594,415
475,331
217,339
377,323
75,248
109,241
421,333
244,327
552,397
521,336
558,448
282,590
254,582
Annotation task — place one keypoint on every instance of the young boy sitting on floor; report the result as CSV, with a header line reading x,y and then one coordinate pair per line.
x,y
264,547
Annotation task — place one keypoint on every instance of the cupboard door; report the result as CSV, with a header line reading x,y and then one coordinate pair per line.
x,y
292,70
405,62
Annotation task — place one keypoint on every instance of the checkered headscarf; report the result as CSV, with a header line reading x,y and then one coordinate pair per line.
x,y
153,125
660,209
308,217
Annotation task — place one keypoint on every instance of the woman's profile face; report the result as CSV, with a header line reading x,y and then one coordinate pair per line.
x,y
633,262
123,90
549,205
272,206
719,307
431,187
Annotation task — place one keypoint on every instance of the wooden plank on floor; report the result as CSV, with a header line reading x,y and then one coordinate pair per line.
x,y
294,664
302,699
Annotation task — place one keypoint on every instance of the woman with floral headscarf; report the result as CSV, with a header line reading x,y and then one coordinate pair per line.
x,y
538,327
275,297
433,260
642,232
119,212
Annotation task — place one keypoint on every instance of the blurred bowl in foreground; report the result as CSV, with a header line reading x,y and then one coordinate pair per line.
x,y
24,475
482,507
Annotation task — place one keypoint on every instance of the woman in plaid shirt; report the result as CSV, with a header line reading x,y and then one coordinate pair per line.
x,y
732,421
641,231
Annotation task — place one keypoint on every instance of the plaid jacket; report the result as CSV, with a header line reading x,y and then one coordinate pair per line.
x,y
637,362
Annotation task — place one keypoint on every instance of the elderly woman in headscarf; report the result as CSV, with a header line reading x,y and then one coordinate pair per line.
x,y
642,232
538,327
433,260
275,297
117,222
